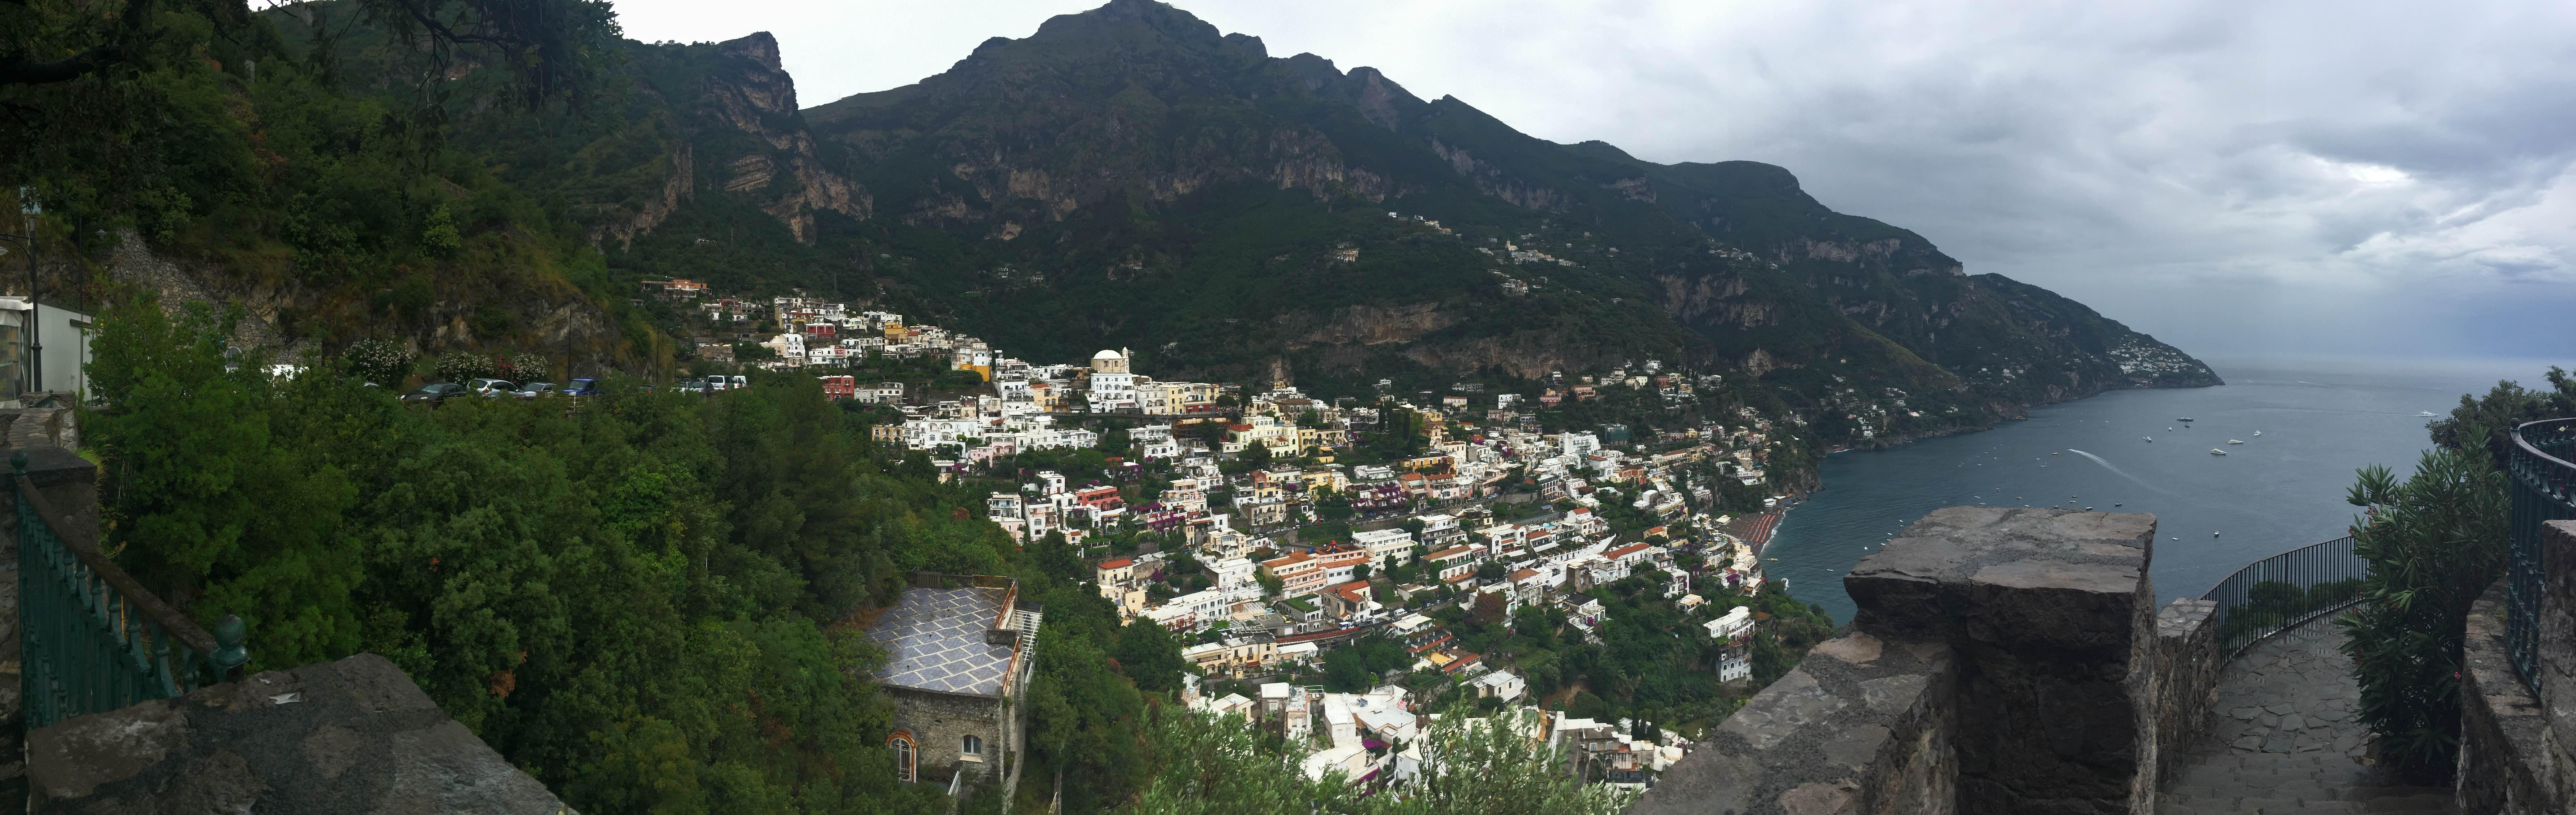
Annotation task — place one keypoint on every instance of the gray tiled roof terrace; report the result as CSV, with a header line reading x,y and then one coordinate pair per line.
x,y
934,640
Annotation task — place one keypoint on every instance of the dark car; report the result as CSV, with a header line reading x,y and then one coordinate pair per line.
x,y
436,393
581,387
535,390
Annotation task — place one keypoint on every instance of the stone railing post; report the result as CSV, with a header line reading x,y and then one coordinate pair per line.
x,y
2002,662
2051,615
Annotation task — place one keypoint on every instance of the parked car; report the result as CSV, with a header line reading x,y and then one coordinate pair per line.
x,y
715,382
533,390
740,381
582,387
436,393
491,387
694,386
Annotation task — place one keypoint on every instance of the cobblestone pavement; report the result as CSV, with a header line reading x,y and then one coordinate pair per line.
x,y
2283,740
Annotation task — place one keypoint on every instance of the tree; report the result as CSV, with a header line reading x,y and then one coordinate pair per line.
x,y
1056,556
1490,607
204,501
1150,656
1360,572
2433,544
1490,571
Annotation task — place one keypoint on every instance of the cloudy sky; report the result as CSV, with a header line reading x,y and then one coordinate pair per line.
x,y
2295,177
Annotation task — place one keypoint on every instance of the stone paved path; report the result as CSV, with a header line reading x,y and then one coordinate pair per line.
x,y
2283,740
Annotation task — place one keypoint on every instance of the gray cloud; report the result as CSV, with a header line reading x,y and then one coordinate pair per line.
x,y
2303,176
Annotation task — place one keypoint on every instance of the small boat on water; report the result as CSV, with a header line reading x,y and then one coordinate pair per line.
x,y
2182,418
2148,438
2258,432
2424,413
2233,441
2217,452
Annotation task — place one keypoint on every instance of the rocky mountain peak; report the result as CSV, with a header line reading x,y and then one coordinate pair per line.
x,y
758,46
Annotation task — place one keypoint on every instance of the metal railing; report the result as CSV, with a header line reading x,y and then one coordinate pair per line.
x,y
2544,489
92,639
2279,592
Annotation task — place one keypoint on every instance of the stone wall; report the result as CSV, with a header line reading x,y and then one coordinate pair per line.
x,y
940,723
2000,663
2515,757
351,736
2186,664
1861,726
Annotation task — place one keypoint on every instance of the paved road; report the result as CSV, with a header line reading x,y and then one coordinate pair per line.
x,y
2283,740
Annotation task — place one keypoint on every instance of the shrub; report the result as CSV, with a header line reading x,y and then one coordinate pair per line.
x,y
2434,543
379,360
458,366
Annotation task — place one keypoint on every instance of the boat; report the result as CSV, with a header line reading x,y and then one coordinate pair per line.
x,y
2182,418
2424,413
2217,452
2258,432
2233,441
2148,438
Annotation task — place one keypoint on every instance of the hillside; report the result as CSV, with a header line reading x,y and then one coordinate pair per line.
x,y
1141,163
1125,177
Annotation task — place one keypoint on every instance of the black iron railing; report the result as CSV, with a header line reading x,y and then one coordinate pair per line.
x,y
93,640
2544,489
2280,592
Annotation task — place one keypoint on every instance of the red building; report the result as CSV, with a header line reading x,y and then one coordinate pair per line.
x,y
840,387
1101,497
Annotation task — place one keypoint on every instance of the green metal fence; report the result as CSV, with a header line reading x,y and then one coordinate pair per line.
x,y
92,639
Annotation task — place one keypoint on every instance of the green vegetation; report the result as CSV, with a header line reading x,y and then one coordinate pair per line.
x,y
2434,543
1655,662
1221,765
640,598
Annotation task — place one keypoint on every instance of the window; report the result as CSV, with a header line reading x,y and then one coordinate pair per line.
x,y
973,747
906,763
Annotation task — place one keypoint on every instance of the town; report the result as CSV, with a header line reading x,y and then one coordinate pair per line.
x,y
1334,567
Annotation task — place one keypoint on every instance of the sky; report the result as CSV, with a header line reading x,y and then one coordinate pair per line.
x,y
2348,177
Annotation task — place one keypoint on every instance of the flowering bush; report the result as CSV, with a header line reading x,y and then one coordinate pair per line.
x,y
458,366
379,360
525,367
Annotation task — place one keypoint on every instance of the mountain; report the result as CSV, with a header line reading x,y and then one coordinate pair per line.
x,y
1125,177
1138,158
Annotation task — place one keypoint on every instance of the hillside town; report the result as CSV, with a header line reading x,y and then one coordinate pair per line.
x,y
1267,528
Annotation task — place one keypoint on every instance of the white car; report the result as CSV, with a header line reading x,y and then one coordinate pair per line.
x,y
491,387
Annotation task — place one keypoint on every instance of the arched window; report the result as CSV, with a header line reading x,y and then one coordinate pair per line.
x,y
906,760
974,747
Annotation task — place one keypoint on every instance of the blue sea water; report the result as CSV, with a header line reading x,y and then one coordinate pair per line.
x,y
2321,419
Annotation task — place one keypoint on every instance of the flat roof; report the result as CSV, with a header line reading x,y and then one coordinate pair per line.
x,y
934,640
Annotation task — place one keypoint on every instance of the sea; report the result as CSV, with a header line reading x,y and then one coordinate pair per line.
x,y
2307,423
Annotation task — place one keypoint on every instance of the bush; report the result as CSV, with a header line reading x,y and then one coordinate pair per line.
x,y
379,360
458,366
2433,544
524,367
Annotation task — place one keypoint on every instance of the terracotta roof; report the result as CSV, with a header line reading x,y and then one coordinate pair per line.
x,y
1119,563
1451,551
1623,551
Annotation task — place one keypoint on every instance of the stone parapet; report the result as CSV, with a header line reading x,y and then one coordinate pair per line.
x,y
2001,662
2186,665
2051,615
2516,752
1862,726
351,736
